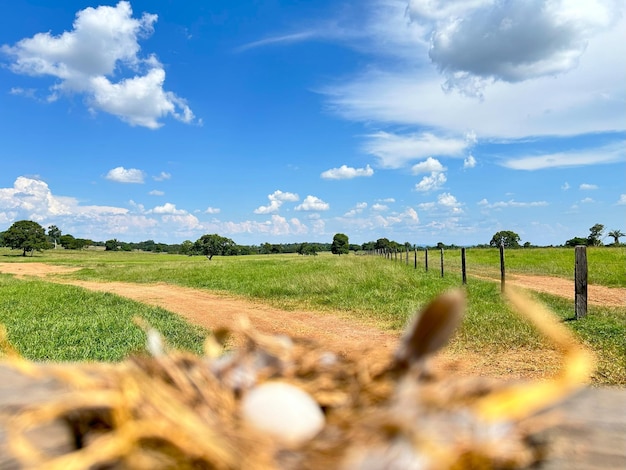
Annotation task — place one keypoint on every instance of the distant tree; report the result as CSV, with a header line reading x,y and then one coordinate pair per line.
x,y
307,249
54,233
340,245
595,235
112,245
26,235
527,245
211,245
440,245
186,248
368,246
576,241
382,244
615,235
66,241
505,238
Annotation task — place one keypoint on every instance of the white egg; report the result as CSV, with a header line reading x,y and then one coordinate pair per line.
x,y
283,411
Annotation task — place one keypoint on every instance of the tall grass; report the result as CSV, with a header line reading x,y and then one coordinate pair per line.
x,y
52,322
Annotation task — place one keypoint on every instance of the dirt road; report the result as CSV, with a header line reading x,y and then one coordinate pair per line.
x,y
339,334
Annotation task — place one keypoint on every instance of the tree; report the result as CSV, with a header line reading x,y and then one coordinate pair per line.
x,y
54,232
112,245
576,241
211,245
615,235
26,235
505,238
595,235
186,248
340,245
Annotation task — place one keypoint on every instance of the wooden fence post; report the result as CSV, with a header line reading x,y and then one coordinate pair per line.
x,y
415,250
407,255
502,276
463,266
580,282
441,262
426,258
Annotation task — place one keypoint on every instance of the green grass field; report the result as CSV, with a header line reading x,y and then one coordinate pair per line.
x,y
380,291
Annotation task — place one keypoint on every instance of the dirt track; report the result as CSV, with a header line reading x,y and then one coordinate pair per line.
x,y
339,334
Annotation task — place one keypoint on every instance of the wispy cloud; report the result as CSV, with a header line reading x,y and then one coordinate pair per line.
x,y
511,203
587,187
277,40
608,154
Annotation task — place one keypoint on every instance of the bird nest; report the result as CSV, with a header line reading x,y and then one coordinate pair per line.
x,y
280,403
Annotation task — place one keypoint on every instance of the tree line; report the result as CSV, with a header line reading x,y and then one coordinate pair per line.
x,y
29,236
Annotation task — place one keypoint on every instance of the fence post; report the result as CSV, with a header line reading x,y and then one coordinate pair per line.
x,y
580,282
502,276
415,250
463,266
407,255
441,262
426,258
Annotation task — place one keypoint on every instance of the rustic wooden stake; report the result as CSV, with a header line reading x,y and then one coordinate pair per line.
x,y
441,262
463,266
580,282
426,258
502,276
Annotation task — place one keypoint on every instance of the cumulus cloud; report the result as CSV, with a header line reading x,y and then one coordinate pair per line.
x,y
379,207
168,208
212,210
622,200
469,162
123,175
430,165
313,203
395,151
277,198
432,182
587,187
477,42
345,172
359,208
88,60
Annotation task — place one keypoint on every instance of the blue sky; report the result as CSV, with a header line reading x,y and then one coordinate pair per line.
x,y
278,121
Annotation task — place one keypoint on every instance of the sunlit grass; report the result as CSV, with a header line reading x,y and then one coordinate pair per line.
x,y
378,291
53,322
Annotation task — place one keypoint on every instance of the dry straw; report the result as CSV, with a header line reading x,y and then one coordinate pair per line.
x,y
177,410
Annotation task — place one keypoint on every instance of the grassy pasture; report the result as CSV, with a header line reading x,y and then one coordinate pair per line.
x,y
379,291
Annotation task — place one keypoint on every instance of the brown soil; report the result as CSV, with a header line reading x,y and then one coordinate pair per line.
x,y
342,335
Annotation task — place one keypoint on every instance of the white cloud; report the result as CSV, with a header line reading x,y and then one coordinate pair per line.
x,y
345,172
511,203
313,203
622,200
602,155
477,42
587,187
359,208
212,210
469,162
430,165
587,200
379,207
432,182
162,176
102,44
587,99
565,186
123,175
168,208
156,192
276,200
395,151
